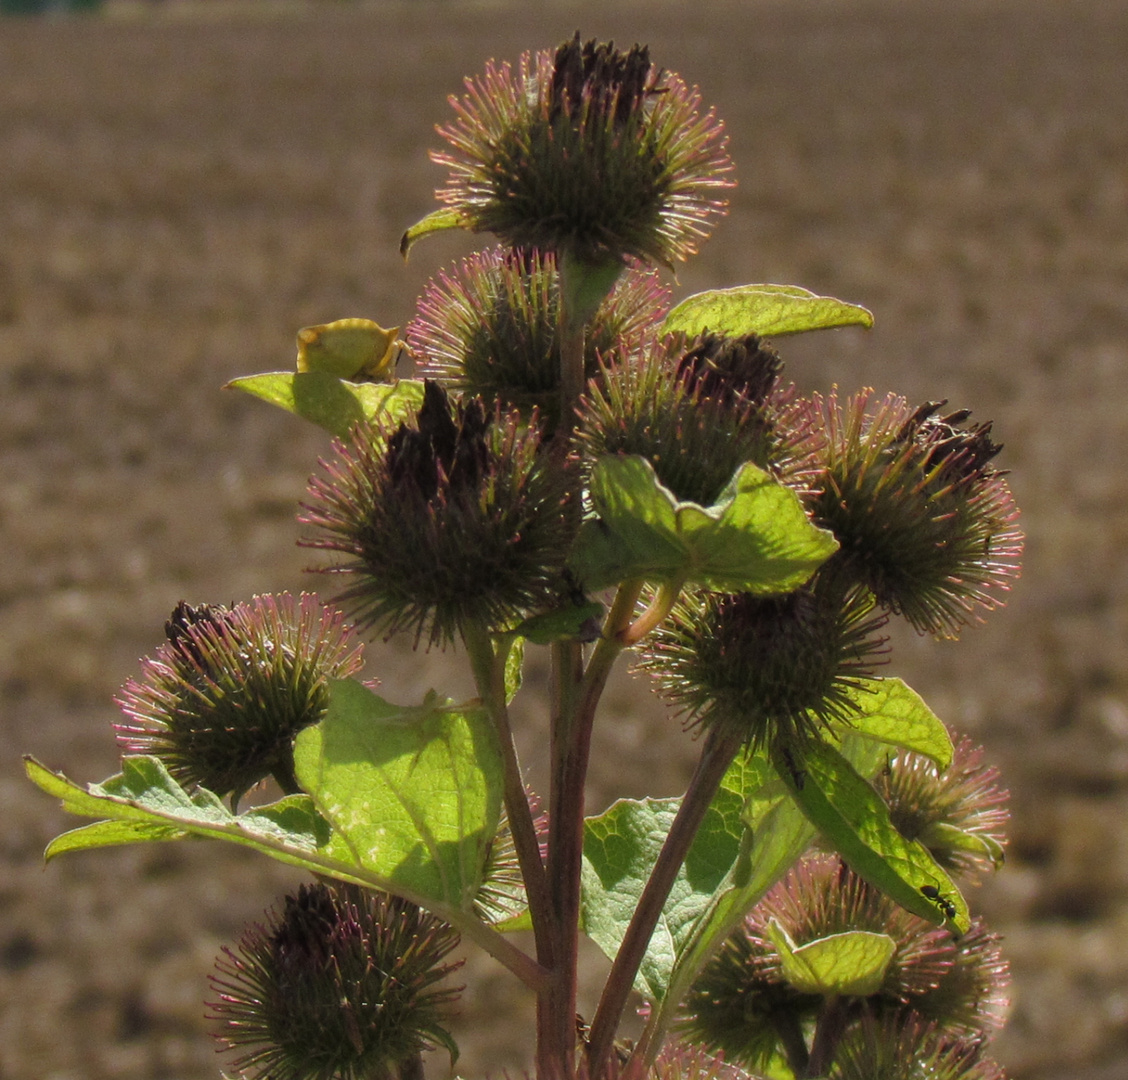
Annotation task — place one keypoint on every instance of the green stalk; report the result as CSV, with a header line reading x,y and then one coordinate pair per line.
x,y
664,599
583,287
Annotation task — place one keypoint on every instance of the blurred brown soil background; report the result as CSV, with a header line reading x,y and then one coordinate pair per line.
x,y
180,193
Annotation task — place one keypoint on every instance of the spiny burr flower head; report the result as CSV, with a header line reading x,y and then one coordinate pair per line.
x,y
971,999
893,1050
958,814
698,410
957,987
821,896
590,152
491,326
738,1002
679,1061
456,517
342,985
779,669
222,699
923,518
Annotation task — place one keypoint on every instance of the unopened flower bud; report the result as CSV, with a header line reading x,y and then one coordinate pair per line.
x,y
778,668
342,984
923,518
490,327
221,701
958,814
591,153
458,516
697,411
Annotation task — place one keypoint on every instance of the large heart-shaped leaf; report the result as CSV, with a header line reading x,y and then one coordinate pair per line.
x,y
413,792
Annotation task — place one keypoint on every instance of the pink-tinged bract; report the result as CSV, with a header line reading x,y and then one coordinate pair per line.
x,y
222,699
490,327
958,814
343,984
590,152
924,520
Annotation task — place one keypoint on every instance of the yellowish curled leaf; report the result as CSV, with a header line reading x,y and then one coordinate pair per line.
x,y
348,349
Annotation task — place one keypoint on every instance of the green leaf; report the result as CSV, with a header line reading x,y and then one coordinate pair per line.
x,y
111,834
767,310
772,834
754,826
620,847
775,835
331,403
572,622
144,803
436,221
853,818
853,963
726,868
756,538
890,712
941,835
413,792
514,667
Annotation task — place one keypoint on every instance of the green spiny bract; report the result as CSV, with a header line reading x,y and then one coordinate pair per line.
x,y
223,698
779,669
341,986
698,410
958,814
458,517
923,519
590,153
489,327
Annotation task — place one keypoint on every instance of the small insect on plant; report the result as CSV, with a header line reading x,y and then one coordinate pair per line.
x,y
940,900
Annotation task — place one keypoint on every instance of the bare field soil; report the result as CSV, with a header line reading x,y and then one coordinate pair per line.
x,y
178,197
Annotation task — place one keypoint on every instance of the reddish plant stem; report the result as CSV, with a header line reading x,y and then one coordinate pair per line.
x,y
570,744
577,693
582,288
489,675
833,1017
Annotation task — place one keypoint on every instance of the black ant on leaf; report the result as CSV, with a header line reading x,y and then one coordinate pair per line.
x,y
930,892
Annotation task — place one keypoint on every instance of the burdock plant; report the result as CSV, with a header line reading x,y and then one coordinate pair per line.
x,y
583,469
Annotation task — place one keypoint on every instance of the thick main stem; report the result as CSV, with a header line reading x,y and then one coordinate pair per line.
x,y
582,288
569,743
716,757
